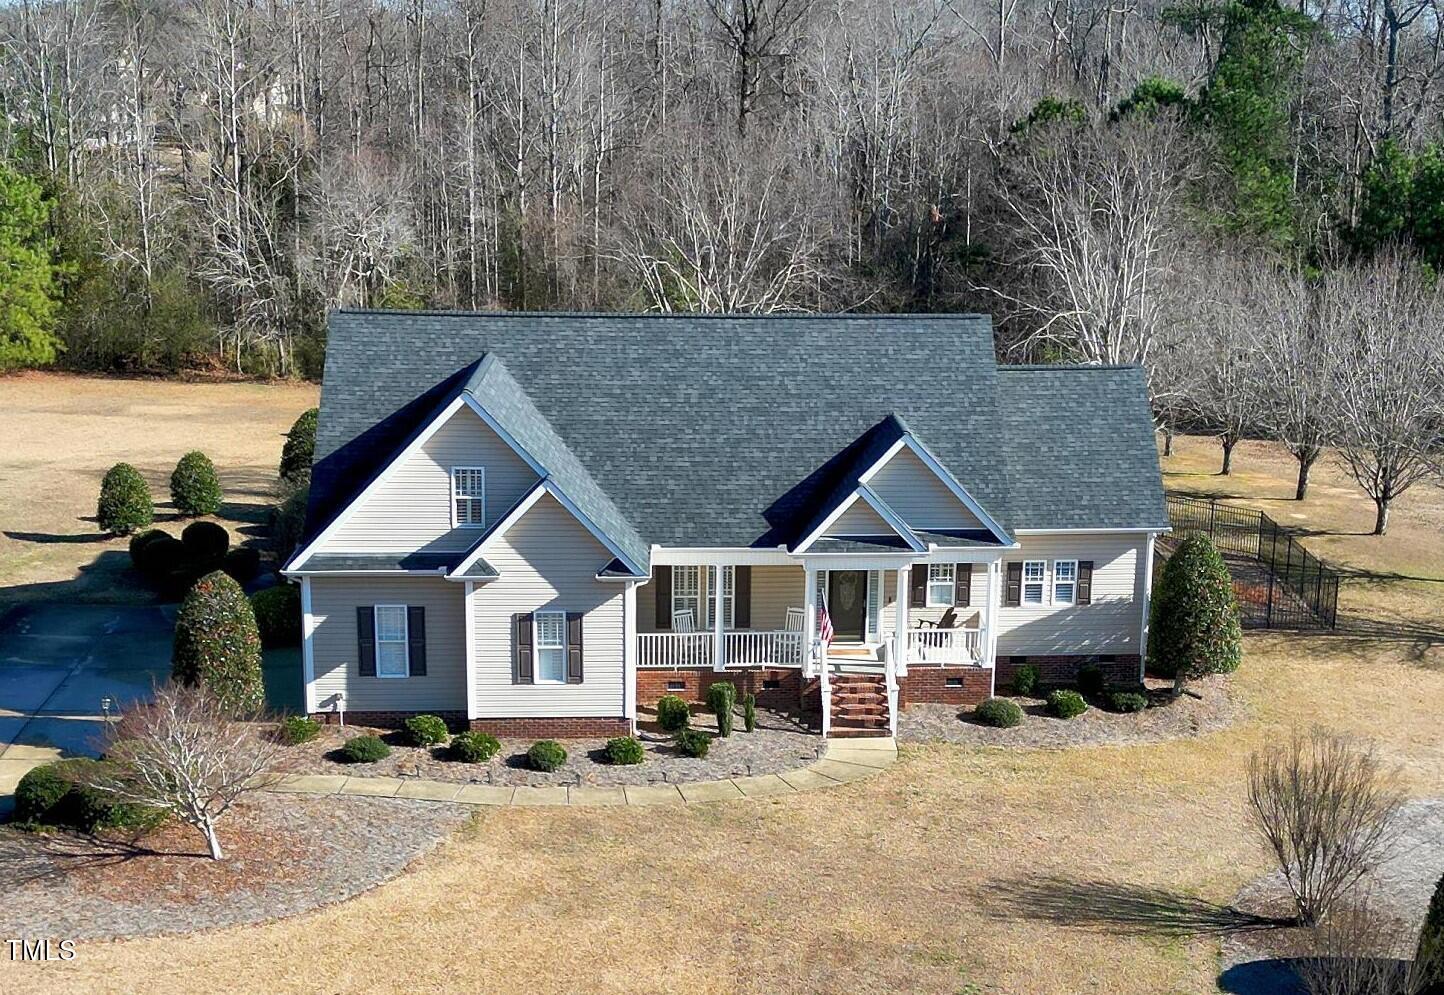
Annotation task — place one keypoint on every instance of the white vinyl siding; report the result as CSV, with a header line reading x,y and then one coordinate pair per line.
x,y
860,520
548,562
334,601
412,510
918,496
918,614
1110,623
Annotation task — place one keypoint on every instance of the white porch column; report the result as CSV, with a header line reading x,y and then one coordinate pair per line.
x,y
718,642
809,621
629,653
990,625
1147,606
900,626
469,620
308,650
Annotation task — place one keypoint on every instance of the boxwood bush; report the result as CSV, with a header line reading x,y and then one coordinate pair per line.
x,y
1127,701
999,712
673,713
194,487
722,700
56,795
625,751
300,447
217,644
138,544
207,542
693,742
160,555
364,750
294,730
546,755
1025,681
278,615
1091,680
124,504
1066,704
426,730
474,747
242,563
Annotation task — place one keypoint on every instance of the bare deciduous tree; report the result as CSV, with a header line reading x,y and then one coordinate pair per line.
x,y
1356,951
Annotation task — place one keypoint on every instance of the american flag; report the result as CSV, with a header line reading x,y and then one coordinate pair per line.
x,y
824,625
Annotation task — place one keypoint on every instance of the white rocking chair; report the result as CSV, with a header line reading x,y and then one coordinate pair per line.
x,y
794,620
684,621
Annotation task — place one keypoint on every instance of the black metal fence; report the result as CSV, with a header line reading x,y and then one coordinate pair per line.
x,y
1280,585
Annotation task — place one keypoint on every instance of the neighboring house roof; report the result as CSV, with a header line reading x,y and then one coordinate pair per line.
x,y
380,562
735,430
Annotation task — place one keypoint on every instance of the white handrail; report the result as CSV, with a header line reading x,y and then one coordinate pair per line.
x,y
940,647
742,648
825,688
750,648
674,649
890,672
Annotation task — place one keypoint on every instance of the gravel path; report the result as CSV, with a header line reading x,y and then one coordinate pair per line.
x,y
1213,709
286,854
779,744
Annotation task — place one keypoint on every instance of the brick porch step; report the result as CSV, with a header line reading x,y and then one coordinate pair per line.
x,y
848,732
850,711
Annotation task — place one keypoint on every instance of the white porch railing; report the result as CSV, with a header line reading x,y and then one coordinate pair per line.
x,y
741,648
943,647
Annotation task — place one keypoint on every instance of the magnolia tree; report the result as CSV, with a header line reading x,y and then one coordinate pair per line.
x,y
1195,629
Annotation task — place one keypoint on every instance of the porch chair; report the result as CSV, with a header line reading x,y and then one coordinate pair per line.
x,y
793,622
684,621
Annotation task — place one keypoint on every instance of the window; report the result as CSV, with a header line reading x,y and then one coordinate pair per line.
x,y
1065,581
941,577
551,647
468,497
727,600
1034,572
687,591
391,642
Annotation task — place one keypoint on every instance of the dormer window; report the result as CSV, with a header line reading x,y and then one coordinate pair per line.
x,y
468,497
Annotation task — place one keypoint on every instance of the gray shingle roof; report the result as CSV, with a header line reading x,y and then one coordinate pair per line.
x,y
709,430
385,562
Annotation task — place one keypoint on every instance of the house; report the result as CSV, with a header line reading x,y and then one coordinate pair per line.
x,y
535,524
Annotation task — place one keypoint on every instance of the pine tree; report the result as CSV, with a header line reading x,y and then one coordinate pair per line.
x,y
29,290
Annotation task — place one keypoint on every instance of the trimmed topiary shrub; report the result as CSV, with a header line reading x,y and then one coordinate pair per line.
x,y
722,700
39,794
207,542
1127,701
57,795
693,742
1025,681
426,730
624,751
673,713
160,555
999,712
242,564
749,712
294,730
288,517
300,447
474,747
278,615
138,544
1194,630
217,644
1091,680
546,755
365,750
1066,704
194,487
124,504
1429,957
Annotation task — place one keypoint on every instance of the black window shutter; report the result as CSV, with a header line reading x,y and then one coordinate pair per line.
x,y
662,580
742,597
918,596
366,640
963,585
1085,582
574,647
1013,593
522,673
416,641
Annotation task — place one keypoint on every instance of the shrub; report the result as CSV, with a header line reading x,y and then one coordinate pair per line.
x,y
1127,701
1195,628
625,751
124,504
242,564
57,795
138,544
546,755
1091,680
749,712
288,517
693,742
300,447
207,542
160,555
673,713
365,750
217,644
278,615
1429,957
474,747
194,487
425,730
722,700
1066,704
1025,681
297,729
999,712
39,794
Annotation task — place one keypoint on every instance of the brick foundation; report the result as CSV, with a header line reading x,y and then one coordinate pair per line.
x,y
786,697
1053,670
930,684
513,728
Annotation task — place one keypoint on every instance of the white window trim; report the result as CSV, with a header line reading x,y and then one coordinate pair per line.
x,y
455,523
1042,583
1073,583
405,640
729,599
952,581
537,647
699,617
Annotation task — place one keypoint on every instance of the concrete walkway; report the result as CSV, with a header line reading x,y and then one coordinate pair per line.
x,y
845,760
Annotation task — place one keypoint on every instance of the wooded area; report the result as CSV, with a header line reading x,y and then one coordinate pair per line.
x,y
1248,198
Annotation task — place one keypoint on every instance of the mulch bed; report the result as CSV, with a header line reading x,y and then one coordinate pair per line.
x,y
779,743
284,854
1211,707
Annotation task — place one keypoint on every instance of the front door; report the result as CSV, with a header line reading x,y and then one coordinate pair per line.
x,y
847,604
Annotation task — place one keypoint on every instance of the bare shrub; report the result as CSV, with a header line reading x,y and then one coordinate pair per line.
x,y
187,754
1355,951
1327,808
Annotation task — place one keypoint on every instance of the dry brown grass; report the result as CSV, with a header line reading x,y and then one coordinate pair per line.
x,y
60,433
960,870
